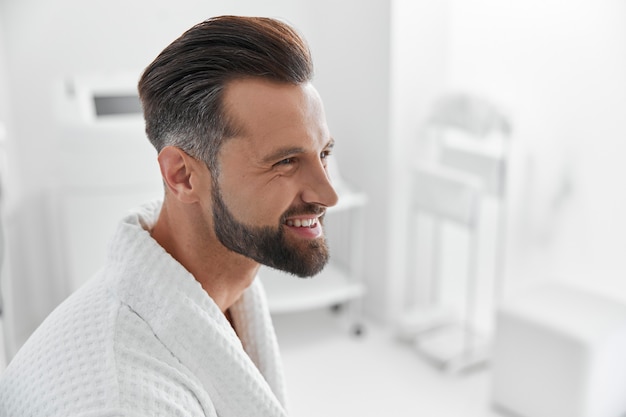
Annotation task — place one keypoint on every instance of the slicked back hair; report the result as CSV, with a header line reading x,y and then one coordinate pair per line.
x,y
182,89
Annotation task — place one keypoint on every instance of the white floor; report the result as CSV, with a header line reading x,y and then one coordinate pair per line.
x,y
332,373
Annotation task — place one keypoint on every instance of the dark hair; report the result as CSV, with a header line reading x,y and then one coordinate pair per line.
x,y
182,89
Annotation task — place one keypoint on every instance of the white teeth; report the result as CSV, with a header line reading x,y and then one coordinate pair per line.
x,y
302,222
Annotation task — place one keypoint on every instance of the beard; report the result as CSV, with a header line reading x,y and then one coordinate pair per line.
x,y
267,245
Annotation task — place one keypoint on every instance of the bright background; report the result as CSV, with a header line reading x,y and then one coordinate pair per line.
x,y
557,67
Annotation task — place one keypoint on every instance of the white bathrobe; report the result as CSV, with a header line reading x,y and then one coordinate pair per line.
x,y
143,339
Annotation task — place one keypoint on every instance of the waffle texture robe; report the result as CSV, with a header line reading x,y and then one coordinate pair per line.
x,y
143,339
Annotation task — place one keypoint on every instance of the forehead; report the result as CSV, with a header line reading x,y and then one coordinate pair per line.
x,y
268,114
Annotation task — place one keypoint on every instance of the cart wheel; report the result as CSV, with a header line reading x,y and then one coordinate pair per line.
x,y
336,308
358,330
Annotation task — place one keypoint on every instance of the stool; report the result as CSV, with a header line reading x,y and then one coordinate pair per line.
x,y
560,352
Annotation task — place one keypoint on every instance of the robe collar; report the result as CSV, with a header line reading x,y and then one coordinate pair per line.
x,y
242,373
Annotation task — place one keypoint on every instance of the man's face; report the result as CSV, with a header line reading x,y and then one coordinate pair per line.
x,y
273,188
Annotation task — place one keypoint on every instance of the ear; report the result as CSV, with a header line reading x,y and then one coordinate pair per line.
x,y
182,174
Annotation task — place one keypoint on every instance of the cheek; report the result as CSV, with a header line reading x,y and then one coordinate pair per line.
x,y
260,206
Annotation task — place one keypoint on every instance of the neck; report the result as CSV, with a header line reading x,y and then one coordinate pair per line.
x,y
223,274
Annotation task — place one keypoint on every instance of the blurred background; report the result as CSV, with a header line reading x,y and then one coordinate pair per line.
x,y
485,141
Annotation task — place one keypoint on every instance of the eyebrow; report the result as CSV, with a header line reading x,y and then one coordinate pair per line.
x,y
283,153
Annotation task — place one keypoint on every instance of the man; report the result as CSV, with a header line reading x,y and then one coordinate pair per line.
x,y
176,323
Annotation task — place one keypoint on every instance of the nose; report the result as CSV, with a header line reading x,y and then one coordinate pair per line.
x,y
319,189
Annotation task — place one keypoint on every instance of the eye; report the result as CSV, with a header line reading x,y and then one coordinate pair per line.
x,y
286,161
324,156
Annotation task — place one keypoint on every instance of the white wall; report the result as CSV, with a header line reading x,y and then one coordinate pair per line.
x,y
560,69
4,197
419,51
52,41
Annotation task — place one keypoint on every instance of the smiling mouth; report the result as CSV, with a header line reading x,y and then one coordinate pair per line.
x,y
310,223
